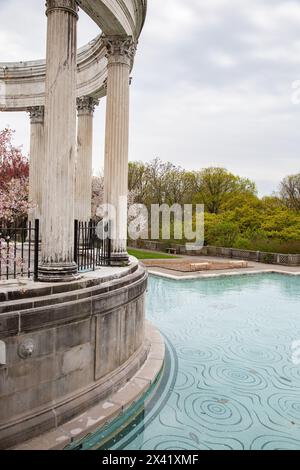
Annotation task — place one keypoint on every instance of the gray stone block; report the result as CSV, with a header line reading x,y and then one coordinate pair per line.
x,y
73,334
107,343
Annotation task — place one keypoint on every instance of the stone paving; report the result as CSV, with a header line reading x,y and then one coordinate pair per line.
x,y
186,265
252,268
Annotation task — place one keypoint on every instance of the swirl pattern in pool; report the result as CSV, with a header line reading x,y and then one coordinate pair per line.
x,y
235,385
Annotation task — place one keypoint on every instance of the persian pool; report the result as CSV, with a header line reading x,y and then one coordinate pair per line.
x,y
232,377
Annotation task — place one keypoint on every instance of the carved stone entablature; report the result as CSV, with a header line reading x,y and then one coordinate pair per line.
x,y
120,49
86,105
65,5
36,114
22,83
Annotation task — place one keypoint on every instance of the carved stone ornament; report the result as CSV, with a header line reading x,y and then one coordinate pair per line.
x,y
86,104
65,5
119,46
36,114
26,349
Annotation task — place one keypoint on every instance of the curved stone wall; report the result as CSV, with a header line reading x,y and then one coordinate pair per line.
x,y
67,348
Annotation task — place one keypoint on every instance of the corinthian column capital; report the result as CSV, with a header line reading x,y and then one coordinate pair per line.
x,y
119,49
36,114
64,5
86,105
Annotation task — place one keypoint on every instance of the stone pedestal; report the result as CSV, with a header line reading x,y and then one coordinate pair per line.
x,y
60,143
84,163
120,53
36,164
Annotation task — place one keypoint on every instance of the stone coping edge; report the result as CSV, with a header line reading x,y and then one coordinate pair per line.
x,y
89,279
107,410
219,275
106,286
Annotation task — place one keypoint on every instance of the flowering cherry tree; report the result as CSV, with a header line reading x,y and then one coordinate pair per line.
x,y
14,181
14,203
13,164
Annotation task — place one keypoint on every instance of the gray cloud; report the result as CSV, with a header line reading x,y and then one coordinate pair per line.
x,y
212,83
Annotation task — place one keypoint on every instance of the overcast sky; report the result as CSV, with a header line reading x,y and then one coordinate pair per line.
x,y
212,83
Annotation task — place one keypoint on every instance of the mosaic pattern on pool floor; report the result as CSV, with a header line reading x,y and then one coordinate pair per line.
x,y
235,385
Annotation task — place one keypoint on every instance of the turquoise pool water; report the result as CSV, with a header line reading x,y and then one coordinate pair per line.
x,y
231,381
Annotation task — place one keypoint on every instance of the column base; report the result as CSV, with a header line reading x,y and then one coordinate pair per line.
x,y
58,272
119,259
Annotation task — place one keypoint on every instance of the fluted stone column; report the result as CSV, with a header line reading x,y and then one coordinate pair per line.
x,y
120,53
84,163
37,158
60,142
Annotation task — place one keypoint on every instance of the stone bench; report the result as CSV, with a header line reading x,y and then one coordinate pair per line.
x,y
199,266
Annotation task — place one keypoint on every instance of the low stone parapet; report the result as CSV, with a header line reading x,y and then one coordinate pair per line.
x,y
68,347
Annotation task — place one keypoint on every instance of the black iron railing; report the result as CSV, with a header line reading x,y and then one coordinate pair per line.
x,y
19,251
91,251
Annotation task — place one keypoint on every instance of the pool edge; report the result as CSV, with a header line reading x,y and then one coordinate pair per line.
x,y
202,275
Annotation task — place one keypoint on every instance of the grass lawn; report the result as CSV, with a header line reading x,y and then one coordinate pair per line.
x,y
140,254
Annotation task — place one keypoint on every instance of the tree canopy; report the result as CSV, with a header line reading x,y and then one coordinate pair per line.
x,y
290,191
234,214
14,176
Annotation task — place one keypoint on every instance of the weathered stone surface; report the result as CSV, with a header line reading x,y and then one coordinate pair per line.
x,y
122,394
83,352
140,322
128,331
130,392
146,372
43,345
54,315
54,440
57,251
84,160
120,53
71,335
36,162
34,426
78,358
9,325
91,420
36,296
27,375
25,401
107,343
71,381
104,303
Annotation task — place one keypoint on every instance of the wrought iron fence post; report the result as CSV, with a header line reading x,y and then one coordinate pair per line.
x,y
90,252
109,252
76,241
109,244
36,248
76,224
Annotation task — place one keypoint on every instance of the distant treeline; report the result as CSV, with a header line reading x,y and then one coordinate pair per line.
x,y
234,214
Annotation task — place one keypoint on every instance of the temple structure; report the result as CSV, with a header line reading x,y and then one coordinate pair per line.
x,y
74,347
61,145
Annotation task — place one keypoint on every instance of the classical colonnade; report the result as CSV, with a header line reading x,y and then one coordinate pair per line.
x,y
61,144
